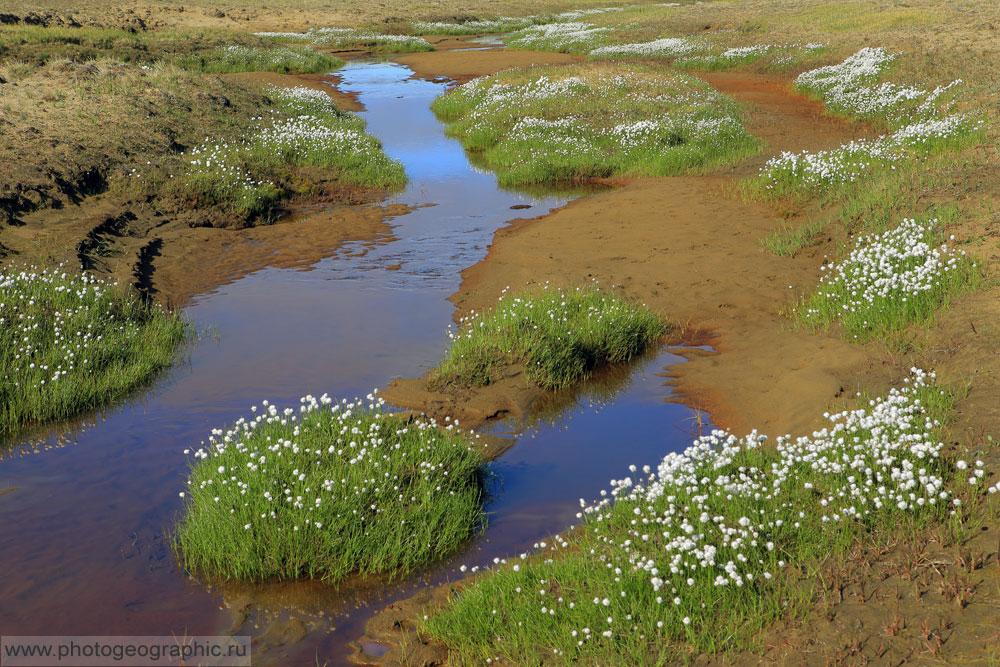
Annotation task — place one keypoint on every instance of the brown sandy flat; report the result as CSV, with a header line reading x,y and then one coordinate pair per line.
x,y
461,66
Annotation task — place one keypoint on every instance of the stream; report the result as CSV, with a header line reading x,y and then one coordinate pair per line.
x,y
84,548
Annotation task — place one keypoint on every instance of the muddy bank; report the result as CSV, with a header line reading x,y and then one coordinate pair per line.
x,y
171,260
461,66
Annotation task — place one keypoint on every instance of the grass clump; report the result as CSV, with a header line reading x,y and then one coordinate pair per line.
x,y
808,174
281,59
569,37
248,177
328,490
72,343
702,552
348,38
559,336
788,241
596,120
889,281
471,26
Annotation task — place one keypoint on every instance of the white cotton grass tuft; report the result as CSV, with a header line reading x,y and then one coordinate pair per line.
x,y
704,543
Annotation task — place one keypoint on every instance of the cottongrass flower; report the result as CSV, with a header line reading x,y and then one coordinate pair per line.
x,y
889,280
571,37
668,47
593,122
700,547
328,489
306,129
814,171
852,87
342,38
236,58
70,342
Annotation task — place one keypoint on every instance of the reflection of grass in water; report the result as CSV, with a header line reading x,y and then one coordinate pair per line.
x,y
557,409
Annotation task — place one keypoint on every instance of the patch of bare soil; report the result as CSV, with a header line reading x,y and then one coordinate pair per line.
x,y
462,66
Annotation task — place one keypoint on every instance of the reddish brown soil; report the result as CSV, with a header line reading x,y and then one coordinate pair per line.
x,y
461,66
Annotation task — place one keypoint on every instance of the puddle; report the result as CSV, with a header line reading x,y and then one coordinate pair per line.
x,y
83,544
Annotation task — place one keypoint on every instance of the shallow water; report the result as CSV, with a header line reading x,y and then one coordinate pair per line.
x,y
82,549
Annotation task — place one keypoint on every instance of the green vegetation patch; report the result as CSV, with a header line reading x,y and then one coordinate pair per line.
x,y
281,59
559,336
328,490
348,38
548,124
248,176
71,343
889,281
702,552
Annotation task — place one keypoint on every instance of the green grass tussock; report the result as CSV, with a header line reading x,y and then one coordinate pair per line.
x,y
250,176
702,552
348,38
281,59
71,344
559,336
595,120
788,241
890,281
328,490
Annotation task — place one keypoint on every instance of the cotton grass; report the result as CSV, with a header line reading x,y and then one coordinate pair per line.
x,y
327,490
70,343
702,547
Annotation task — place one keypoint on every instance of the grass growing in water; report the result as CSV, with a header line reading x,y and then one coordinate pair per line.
x,y
282,59
248,176
326,491
594,120
889,281
559,336
72,343
702,549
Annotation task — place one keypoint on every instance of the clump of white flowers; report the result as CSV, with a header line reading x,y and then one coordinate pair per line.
x,y
499,24
889,280
852,87
328,489
571,37
342,38
570,123
70,342
698,547
667,47
791,173
305,129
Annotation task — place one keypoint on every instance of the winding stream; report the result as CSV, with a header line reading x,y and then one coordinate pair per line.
x,y
83,547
